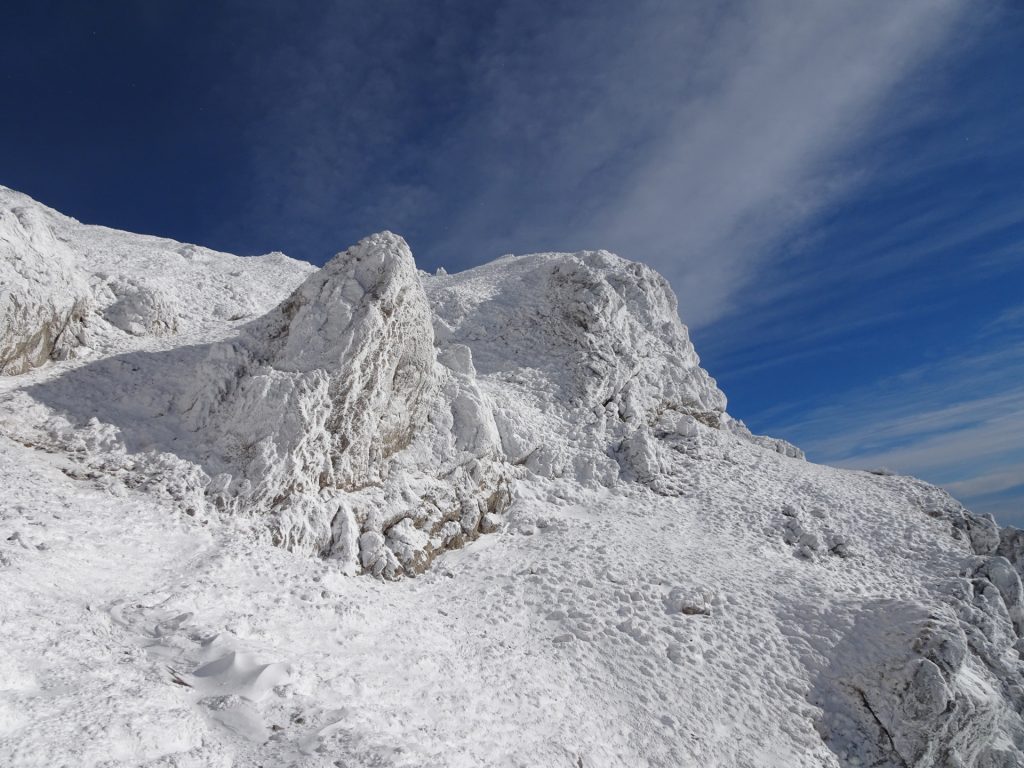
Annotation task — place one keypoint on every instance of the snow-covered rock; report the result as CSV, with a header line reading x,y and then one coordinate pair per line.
x,y
365,320
135,305
44,300
916,686
184,498
577,352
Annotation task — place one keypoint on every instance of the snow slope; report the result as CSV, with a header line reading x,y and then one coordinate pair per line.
x,y
570,553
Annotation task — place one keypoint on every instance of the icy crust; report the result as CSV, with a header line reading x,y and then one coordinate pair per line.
x,y
44,301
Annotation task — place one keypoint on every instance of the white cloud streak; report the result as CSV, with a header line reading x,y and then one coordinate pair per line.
x,y
693,136
722,135
957,422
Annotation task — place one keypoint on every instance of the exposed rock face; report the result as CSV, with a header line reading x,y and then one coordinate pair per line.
x,y
43,300
365,319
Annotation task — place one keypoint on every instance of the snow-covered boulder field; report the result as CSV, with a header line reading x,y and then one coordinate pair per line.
x,y
258,513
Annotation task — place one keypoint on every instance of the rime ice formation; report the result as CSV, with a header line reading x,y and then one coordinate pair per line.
x,y
199,450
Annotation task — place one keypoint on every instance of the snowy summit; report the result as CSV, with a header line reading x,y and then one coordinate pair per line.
x,y
259,513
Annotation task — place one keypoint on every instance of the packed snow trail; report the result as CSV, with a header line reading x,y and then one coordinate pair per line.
x,y
198,451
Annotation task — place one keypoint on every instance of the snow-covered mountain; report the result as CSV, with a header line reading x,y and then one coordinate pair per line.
x,y
257,513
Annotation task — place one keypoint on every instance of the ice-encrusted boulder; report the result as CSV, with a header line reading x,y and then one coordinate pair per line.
x,y
44,301
333,415
919,686
589,345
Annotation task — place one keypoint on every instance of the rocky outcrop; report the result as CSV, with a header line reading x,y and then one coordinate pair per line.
x,y
333,417
601,330
918,686
377,416
364,319
44,302
592,342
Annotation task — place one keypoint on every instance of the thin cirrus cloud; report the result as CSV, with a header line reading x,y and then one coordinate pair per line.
x,y
692,136
724,136
958,422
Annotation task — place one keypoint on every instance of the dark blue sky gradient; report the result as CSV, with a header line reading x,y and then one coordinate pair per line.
x,y
865,300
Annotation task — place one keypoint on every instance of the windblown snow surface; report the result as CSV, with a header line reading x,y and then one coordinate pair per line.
x,y
258,514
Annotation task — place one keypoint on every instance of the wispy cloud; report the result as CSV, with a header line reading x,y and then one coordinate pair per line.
x,y
958,422
693,136
725,134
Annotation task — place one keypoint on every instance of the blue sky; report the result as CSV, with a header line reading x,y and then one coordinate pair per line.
x,y
835,190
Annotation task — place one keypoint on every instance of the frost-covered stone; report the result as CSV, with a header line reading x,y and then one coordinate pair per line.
x,y
916,691
44,300
135,306
689,601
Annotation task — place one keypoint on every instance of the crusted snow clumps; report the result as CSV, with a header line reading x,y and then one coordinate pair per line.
x,y
43,299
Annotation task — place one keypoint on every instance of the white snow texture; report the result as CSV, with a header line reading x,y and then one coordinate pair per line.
x,y
239,495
